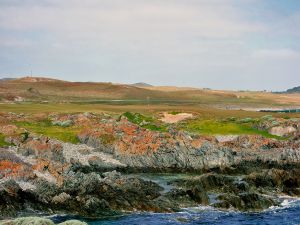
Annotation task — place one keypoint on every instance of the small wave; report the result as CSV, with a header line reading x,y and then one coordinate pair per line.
x,y
203,208
287,202
57,215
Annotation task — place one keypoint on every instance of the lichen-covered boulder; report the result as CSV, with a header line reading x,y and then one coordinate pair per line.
x,y
28,221
73,222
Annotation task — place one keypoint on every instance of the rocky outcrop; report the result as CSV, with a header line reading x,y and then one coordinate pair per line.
x,y
244,201
244,172
143,150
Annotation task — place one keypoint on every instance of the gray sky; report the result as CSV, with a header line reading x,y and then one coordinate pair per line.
x,y
221,44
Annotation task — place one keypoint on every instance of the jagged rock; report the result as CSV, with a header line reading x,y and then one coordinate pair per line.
x,y
286,181
13,199
199,195
61,198
96,206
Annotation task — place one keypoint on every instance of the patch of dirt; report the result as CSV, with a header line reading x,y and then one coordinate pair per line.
x,y
170,118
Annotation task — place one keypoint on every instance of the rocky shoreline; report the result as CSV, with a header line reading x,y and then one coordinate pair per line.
x,y
97,177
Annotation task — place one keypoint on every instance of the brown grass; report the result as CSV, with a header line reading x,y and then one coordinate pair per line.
x,y
41,89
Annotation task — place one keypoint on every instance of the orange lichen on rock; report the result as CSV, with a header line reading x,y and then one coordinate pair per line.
x,y
124,136
196,143
55,169
9,169
128,129
253,142
41,147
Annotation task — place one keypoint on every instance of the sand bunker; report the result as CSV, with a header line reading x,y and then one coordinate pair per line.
x,y
171,118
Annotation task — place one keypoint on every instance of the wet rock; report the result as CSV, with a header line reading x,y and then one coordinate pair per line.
x,y
245,201
206,182
282,180
95,206
179,195
199,195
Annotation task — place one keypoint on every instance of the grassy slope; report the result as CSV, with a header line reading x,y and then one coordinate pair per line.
x,y
215,127
66,134
55,90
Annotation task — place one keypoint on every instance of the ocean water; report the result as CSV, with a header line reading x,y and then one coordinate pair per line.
x,y
288,213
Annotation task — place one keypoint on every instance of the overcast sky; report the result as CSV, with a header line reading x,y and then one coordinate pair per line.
x,y
220,44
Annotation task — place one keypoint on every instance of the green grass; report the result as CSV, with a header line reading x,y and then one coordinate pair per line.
x,y
137,118
174,113
45,127
213,127
145,121
2,141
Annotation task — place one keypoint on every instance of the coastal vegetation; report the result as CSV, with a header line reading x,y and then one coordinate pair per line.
x,y
2,141
45,127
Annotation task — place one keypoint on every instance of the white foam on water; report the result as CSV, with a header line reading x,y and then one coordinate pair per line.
x,y
204,208
56,215
287,202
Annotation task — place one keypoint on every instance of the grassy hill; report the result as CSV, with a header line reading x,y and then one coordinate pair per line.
x,y
39,89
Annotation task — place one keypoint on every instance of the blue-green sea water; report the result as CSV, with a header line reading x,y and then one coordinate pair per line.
x,y
287,214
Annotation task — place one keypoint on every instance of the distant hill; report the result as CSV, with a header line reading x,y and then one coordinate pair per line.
x,y
38,79
41,89
53,90
294,90
142,85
